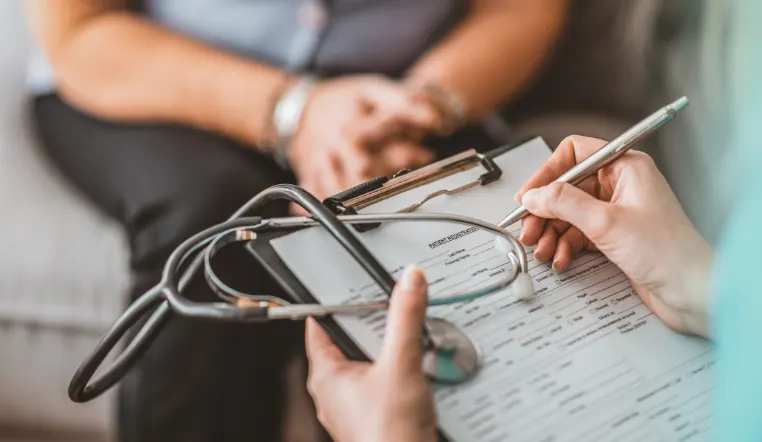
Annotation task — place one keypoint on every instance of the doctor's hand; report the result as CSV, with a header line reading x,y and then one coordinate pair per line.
x,y
388,400
628,212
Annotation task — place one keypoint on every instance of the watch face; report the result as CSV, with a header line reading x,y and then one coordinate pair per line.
x,y
288,110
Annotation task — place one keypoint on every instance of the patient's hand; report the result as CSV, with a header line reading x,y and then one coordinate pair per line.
x,y
358,127
628,212
388,400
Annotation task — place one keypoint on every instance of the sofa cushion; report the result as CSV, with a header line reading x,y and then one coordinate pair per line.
x,y
63,267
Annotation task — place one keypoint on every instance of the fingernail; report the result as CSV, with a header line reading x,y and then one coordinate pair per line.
x,y
412,279
517,197
556,265
529,200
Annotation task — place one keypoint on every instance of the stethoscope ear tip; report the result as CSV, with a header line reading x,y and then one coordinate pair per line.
x,y
522,287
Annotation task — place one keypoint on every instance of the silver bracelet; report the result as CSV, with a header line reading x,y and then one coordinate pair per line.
x,y
287,114
452,104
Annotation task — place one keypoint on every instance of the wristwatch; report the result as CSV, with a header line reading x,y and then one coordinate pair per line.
x,y
286,115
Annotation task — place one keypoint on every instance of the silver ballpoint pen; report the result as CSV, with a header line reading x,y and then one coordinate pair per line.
x,y
610,152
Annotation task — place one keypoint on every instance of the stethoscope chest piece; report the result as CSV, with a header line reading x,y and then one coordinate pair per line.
x,y
451,357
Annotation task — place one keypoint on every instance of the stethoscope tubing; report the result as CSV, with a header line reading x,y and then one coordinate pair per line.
x,y
282,309
165,299
167,293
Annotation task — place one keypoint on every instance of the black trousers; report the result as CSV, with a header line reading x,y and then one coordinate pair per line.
x,y
198,381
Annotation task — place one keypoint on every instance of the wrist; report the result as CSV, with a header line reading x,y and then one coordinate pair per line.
x,y
450,104
691,292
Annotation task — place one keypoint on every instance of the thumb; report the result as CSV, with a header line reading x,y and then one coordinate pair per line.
x,y
568,203
402,342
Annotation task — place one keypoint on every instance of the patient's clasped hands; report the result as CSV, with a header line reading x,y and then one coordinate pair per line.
x,y
358,127
627,211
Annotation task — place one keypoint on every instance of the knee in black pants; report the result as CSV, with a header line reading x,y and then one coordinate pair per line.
x,y
207,381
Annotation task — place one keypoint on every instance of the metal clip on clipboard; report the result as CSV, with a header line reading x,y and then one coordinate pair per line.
x,y
381,188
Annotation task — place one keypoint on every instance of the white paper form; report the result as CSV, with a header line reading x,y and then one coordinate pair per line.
x,y
584,360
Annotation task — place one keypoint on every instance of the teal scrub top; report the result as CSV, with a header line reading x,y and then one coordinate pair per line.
x,y
738,324
737,304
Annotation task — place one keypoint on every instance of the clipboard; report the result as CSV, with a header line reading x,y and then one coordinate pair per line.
x,y
365,195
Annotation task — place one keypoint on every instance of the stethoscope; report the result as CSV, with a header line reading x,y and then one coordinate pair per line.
x,y
450,356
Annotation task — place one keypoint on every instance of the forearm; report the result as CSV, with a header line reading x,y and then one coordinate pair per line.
x,y
120,66
495,52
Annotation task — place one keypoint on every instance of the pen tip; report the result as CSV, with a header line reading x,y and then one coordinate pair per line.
x,y
679,104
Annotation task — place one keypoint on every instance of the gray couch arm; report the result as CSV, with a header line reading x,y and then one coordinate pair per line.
x,y
63,271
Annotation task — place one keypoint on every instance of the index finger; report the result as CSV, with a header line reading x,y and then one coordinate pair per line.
x,y
394,102
401,154
571,151
355,163
372,131
323,355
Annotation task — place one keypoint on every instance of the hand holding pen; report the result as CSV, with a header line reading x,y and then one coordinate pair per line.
x,y
628,212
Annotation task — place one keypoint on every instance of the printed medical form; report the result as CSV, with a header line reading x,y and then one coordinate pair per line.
x,y
584,360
